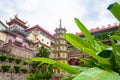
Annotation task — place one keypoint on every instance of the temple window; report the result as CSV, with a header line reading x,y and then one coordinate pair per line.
x,y
58,55
58,71
63,48
47,42
37,46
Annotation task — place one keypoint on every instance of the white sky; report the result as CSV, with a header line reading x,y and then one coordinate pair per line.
x,y
46,13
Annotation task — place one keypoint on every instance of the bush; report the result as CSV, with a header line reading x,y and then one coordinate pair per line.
x,y
18,60
24,70
17,68
5,68
25,63
11,59
3,58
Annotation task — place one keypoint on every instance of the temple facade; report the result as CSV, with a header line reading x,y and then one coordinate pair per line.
x,y
19,40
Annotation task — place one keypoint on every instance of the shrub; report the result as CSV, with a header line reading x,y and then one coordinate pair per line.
x,y
18,60
11,59
25,63
24,70
5,68
3,58
17,68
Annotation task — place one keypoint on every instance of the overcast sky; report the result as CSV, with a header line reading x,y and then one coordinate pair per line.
x,y
46,13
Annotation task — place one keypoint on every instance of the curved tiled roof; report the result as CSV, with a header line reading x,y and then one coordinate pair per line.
x,y
16,19
42,29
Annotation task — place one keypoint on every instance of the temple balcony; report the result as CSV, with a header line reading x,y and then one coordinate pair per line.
x,y
18,30
59,50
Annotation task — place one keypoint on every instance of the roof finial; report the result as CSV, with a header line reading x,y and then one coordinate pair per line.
x,y
60,25
15,15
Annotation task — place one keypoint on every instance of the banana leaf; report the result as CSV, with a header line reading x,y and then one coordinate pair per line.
x,y
97,74
58,64
115,10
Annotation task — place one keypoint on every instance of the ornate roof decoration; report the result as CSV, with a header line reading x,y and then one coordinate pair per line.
x,y
18,21
3,24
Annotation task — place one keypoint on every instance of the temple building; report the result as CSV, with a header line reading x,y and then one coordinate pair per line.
x,y
109,29
15,42
19,40
40,36
60,50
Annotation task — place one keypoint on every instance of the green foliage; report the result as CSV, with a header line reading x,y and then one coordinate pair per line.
x,y
103,36
5,68
17,69
3,58
104,60
62,66
18,60
11,59
25,63
84,31
39,69
43,52
103,56
24,70
115,10
97,74
39,76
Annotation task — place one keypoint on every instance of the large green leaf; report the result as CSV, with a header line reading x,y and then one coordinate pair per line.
x,y
93,54
77,41
101,46
115,37
106,53
85,31
88,62
97,74
116,52
58,64
68,77
115,10
116,49
81,44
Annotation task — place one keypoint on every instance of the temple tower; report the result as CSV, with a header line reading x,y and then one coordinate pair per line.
x,y
60,51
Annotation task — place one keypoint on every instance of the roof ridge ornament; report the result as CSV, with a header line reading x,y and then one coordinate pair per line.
x,y
60,25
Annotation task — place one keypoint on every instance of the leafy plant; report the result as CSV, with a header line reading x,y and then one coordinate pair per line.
x,y
18,60
5,68
17,69
25,63
11,59
102,56
39,76
115,10
3,58
24,70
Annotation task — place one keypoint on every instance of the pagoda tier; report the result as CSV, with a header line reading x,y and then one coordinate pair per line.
x,y
17,21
